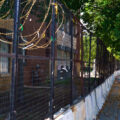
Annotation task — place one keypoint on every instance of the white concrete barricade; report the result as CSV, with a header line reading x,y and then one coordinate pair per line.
x,y
89,108
108,83
103,92
112,80
79,111
68,115
98,98
94,105
61,117
107,87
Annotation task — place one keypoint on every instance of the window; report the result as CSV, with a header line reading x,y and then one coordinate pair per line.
x,y
61,54
4,61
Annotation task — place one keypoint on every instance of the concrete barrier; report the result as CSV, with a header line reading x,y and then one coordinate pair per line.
x,y
88,108
67,115
79,111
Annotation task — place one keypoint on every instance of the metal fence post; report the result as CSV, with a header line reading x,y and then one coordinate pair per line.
x,y
82,60
71,61
14,60
97,49
90,62
52,60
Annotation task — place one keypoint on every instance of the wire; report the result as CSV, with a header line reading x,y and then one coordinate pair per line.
x,y
25,16
30,45
48,43
28,13
2,2
5,15
45,17
5,41
42,34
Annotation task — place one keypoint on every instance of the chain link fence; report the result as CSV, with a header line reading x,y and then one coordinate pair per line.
x,y
47,59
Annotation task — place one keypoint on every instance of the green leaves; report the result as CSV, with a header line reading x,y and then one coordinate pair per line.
x,y
105,17
102,17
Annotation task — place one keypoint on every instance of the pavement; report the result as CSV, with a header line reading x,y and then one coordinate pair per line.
x,y
111,108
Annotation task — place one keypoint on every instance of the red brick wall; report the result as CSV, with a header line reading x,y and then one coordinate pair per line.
x,y
30,27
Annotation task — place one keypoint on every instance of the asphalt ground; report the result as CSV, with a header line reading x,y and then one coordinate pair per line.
x,y
111,108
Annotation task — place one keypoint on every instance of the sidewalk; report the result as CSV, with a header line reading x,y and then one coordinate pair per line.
x,y
111,108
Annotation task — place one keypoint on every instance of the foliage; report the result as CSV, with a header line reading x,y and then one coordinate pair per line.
x,y
86,42
102,17
75,5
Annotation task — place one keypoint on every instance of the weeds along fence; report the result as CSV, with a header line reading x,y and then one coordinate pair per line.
x,y
47,59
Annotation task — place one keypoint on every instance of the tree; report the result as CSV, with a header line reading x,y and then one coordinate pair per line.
x,y
101,17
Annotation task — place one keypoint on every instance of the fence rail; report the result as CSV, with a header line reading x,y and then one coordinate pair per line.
x,y
47,62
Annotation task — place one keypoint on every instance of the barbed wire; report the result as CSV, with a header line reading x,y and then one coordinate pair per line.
x,y
35,40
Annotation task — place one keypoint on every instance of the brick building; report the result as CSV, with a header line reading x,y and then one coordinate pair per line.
x,y
30,73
